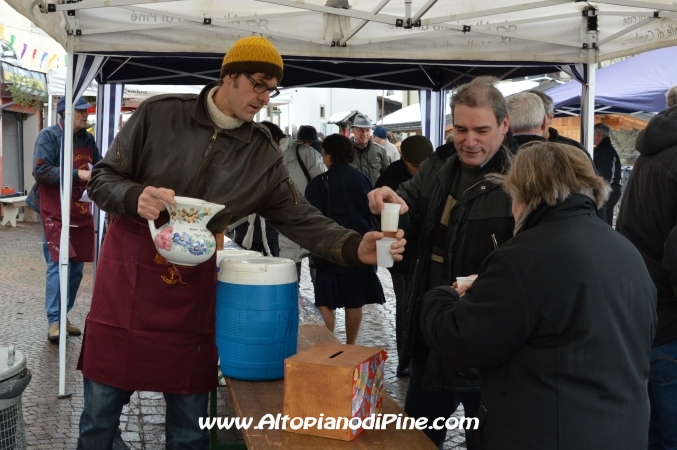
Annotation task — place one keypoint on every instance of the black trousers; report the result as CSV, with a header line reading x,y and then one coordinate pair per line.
x,y
434,404
399,286
611,203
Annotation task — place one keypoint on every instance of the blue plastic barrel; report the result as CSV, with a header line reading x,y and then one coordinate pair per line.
x,y
257,316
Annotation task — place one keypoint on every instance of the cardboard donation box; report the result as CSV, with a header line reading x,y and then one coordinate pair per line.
x,y
335,384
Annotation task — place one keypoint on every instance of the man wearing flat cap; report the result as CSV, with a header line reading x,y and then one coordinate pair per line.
x,y
152,324
370,158
45,199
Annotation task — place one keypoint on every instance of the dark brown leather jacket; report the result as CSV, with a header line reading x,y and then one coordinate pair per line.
x,y
171,142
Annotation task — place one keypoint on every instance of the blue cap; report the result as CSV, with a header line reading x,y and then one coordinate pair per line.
x,y
380,132
80,103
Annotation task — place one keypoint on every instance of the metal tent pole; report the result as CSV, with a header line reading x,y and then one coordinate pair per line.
x,y
66,188
50,106
589,101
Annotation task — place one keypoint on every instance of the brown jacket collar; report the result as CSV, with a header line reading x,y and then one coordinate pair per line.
x,y
201,116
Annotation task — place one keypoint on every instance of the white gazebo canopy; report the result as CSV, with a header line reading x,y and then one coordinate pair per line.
x,y
433,30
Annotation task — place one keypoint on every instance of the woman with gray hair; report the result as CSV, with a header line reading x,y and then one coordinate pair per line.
x,y
560,319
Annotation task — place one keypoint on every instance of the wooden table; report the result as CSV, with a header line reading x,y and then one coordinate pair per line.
x,y
10,209
256,399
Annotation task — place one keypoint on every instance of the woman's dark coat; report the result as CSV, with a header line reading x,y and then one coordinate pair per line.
x,y
348,204
560,323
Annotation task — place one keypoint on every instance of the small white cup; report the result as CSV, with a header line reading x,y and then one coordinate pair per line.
x,y
390,217
461,281
383,256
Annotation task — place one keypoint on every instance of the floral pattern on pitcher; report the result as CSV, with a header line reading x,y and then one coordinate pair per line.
x,y
166,239
189,215
185,239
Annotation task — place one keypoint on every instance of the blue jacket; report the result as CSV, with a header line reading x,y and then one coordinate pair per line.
x,y
47,159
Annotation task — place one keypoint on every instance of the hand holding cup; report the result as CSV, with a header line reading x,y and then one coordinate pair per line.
x,y
462,284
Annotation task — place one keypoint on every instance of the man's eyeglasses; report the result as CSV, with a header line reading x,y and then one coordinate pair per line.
x,y
261,88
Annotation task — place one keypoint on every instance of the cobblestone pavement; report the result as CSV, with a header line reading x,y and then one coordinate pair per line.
x,y
52,423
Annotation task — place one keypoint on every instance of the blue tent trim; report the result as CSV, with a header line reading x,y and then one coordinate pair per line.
x,y
637,84
201,68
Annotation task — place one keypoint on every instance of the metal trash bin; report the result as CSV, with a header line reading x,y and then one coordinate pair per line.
x,y
14,377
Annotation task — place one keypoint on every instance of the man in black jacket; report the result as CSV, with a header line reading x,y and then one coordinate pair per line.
x,y
415,149
528,121
551,134
608,166
648,218
671,96
457,218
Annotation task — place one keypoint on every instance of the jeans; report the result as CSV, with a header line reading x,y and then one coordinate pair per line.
x,y
101,417
434,404
53,290
663,397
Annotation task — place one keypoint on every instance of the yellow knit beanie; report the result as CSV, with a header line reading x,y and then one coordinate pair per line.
x,y
251,55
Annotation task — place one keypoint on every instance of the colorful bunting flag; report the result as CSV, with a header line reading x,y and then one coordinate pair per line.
x,y
47,57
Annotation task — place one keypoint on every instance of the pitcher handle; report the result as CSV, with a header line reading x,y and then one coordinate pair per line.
x,y
153,230
151,223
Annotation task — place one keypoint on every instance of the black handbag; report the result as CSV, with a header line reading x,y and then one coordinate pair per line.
x,y
314,261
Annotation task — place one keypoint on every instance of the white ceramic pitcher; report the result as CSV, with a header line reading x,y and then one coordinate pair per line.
x,y
185,239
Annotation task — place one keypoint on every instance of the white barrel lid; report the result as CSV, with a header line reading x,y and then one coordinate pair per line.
x,y
257,270
221,254
12,362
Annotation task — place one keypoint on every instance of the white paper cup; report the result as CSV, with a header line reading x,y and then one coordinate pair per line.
x,y
383,256
390,217
461,281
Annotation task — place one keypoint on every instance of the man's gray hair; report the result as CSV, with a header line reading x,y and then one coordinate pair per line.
x,y
603,129
548,102
481,93
526,112
671,96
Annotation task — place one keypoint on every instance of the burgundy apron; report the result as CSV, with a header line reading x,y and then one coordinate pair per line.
x,y
81,243
151,326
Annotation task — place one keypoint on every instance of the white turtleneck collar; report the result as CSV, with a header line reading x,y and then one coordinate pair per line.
x,y
219,118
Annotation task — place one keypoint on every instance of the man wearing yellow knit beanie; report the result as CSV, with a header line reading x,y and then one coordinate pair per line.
x,y
152,324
